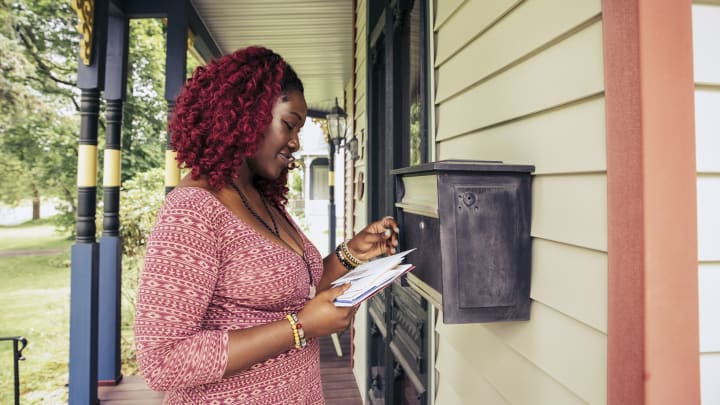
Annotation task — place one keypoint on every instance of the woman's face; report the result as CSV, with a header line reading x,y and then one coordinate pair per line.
x,y
281,136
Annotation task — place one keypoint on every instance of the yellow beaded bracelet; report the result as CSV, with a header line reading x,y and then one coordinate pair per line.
x,y
293,328
297,330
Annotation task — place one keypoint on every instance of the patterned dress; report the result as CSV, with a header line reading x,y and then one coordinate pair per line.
x,y
207,272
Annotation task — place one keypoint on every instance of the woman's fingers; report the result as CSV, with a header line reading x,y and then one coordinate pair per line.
x,y
366,246
380,237
338,291
384,224
321,317
391,233
389,223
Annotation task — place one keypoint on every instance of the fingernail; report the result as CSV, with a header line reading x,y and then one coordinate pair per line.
x,y
395,243
387,232
397,230
392,251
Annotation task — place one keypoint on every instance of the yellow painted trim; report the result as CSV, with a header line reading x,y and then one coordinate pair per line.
x,y
111,174
193,51
87,166
172,171
85,10
331,178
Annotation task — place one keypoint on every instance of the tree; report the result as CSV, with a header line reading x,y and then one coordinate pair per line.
x,y
42,150
39,123
145,110
33,119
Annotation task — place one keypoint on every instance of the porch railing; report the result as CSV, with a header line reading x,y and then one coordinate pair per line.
x,y
17,356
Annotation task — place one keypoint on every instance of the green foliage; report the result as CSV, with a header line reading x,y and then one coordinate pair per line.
x,y
415,136
295,180
37,118
39,127
52,50
39,102
35,302
140,200
145,108
14,97
130,278
42,155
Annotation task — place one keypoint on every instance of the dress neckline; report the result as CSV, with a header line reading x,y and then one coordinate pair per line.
x,y
285,214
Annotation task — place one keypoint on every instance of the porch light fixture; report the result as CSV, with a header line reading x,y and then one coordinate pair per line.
x,y
337,124
353,147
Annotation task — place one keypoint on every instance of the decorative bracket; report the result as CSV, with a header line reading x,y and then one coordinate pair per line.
x,y
85,10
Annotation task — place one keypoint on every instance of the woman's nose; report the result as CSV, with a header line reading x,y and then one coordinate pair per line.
x,y
294,142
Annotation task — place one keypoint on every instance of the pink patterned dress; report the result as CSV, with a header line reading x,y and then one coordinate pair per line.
x,y
207,272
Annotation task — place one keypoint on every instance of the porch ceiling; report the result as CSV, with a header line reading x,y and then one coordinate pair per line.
x,y
314,36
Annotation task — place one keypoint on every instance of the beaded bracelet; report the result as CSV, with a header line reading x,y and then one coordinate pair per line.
x,y
297,330
349,256
338,252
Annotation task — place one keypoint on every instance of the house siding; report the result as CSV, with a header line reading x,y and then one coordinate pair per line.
x,y
360,110
522,82
706,31
357,217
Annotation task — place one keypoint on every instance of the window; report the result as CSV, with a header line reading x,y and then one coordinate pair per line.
x,y
415,70
319,188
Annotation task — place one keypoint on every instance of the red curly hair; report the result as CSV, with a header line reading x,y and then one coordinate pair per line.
x,y
222,112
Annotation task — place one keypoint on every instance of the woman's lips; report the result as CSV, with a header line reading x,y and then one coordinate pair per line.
x,y
287,159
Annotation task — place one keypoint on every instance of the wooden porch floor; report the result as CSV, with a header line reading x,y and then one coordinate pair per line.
x,y
339,384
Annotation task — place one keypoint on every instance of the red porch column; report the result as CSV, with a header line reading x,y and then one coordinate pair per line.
x,y
652,237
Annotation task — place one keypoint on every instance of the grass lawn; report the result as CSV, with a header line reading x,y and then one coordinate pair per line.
x,y
23,237
35,301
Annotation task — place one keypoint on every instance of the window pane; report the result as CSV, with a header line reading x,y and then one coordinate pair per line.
x,y
319,180
415,99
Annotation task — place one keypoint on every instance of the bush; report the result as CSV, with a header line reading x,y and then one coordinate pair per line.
x,y
140,200
131,272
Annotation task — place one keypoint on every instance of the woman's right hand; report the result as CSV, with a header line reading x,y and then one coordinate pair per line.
x,y
320,316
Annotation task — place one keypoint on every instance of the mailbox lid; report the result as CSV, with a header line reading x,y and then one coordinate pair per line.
x,y
457,165
416,187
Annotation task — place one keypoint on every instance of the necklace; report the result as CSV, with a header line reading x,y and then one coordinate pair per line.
x,y
274,230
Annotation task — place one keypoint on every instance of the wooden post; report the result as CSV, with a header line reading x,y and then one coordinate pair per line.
x,y
84,253
110,273
176,59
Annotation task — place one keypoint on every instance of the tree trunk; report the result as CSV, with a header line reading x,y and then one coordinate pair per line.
x,y
36,204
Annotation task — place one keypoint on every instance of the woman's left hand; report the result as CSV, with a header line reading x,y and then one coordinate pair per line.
x,y
380,237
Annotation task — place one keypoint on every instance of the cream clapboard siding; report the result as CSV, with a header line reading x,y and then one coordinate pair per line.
x,y
348,164
361,108
359,115
522,82
706,31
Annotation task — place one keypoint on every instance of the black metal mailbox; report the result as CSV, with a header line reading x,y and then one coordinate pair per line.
x,y
470,223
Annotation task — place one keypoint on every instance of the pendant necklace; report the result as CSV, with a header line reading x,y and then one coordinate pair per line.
x,y
274,230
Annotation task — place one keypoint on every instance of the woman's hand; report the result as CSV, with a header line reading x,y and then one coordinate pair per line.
x,y
320,316
380,237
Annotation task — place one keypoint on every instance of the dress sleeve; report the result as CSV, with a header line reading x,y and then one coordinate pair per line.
x,y
180,272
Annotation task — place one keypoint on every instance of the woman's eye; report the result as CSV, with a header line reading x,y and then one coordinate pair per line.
x,y
287,124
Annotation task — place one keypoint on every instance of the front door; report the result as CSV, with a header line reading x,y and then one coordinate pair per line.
x,y
397,138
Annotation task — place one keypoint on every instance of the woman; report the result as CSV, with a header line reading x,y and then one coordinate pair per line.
x,y
233,295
